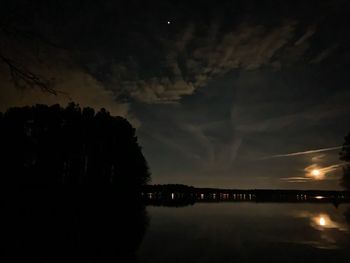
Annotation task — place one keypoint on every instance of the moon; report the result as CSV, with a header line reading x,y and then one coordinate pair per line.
x,y
316,172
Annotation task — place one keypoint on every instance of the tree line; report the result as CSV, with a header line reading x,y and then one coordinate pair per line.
x,y
345,156
69,146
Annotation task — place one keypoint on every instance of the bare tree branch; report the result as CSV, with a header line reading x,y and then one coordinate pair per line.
x,y
23,78
21,75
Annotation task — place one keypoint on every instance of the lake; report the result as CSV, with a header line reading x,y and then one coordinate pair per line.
x,y
247,232
106,226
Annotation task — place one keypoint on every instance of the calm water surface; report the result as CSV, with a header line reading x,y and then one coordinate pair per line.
x,y
247,232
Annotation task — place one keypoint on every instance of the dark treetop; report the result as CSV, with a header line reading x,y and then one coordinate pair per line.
x,y
66,169
70,146
345,156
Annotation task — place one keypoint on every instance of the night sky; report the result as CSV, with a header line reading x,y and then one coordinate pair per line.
x,y
222,93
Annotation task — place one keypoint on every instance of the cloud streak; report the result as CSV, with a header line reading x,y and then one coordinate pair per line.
x,y
303,152
296,179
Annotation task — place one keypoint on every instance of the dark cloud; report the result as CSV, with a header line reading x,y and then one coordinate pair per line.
x,y
129,47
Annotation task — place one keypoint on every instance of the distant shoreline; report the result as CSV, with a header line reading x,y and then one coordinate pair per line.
x,y
181,187
181,195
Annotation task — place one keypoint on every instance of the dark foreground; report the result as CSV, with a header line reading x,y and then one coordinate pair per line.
x,y
71,225
94,224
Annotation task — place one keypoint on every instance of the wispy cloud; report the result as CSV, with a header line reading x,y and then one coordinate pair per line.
x,y
303,152
296,179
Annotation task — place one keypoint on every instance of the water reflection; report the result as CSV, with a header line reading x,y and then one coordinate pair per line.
x,y
322,221
102,228
329,226
247,232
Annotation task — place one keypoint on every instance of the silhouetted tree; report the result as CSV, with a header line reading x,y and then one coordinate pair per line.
x,y
345,156
74,178
45,145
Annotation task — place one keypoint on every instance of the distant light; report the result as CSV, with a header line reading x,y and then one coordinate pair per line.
x,y
319,197
168,22
172,196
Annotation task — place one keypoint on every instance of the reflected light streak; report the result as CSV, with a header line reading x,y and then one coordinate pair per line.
x,y
322,221
319,197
